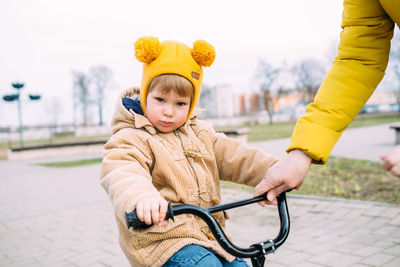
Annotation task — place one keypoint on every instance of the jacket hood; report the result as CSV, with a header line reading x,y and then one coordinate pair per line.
x,y
124,118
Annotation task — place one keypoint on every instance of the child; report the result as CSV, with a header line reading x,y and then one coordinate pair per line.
x,y
160,152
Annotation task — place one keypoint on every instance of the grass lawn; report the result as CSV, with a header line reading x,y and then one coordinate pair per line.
x,y
353,179
261,132
347,178
75,163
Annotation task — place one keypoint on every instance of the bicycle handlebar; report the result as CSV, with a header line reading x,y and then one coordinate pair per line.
x,y
255,252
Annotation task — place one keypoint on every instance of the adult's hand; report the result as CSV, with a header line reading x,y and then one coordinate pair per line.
x,y
287,173
391,161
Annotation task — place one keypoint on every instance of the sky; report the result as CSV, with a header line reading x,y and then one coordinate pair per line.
x,y
43,41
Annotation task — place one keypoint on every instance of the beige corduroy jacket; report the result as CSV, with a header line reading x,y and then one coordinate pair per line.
x,y
184,166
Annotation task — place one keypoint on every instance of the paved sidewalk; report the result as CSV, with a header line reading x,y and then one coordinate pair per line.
x,y
62,217
324,232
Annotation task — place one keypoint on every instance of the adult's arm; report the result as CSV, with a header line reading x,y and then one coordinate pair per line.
x,y
354,75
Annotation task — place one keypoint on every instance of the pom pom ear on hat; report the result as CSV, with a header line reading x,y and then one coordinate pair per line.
x,y
147,49
203,53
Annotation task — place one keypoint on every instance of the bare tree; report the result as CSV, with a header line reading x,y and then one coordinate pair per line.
x,y
309,75
331,53
75,99
55,108
208,101
101,76
395,65
266,75
81,93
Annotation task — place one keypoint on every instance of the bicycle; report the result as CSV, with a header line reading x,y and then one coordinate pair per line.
x,y
256,252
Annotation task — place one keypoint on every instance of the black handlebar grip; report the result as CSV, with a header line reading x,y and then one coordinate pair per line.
x,y
132,219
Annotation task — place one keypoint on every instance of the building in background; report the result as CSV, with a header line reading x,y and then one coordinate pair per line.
x,y
254,99
219,101
286,104
381,101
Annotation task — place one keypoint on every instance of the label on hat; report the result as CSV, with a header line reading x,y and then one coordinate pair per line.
x,y
195,75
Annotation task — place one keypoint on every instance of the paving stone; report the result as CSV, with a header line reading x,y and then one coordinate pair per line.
x,y
344,260
378,259
325,258
393,263
388,230
395,220
361,221
317,249
326,238
349,247
54,222
294,258
393,250
374,211
390,212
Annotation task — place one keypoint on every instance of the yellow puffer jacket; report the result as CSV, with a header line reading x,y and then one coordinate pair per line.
x,y
184,166
364,48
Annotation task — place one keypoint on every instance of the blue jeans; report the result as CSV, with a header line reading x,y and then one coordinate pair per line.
x,y
194,255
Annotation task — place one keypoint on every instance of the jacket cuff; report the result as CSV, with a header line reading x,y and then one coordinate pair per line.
x,y
316,141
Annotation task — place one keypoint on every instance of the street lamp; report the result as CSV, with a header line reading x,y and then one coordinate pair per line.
x,y
16,97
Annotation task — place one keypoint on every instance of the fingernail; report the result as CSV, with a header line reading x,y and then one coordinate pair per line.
x,y
270,197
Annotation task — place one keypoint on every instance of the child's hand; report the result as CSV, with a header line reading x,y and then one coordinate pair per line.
x,y
152,210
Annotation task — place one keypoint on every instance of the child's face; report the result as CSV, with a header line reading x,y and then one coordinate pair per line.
x,y
166,112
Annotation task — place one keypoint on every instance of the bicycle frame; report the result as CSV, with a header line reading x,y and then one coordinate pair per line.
x,y
256,252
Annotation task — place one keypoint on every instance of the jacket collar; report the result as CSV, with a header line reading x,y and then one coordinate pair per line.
x,y
141,121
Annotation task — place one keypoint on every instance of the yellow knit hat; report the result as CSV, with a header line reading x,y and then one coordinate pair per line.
x,y
171,57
